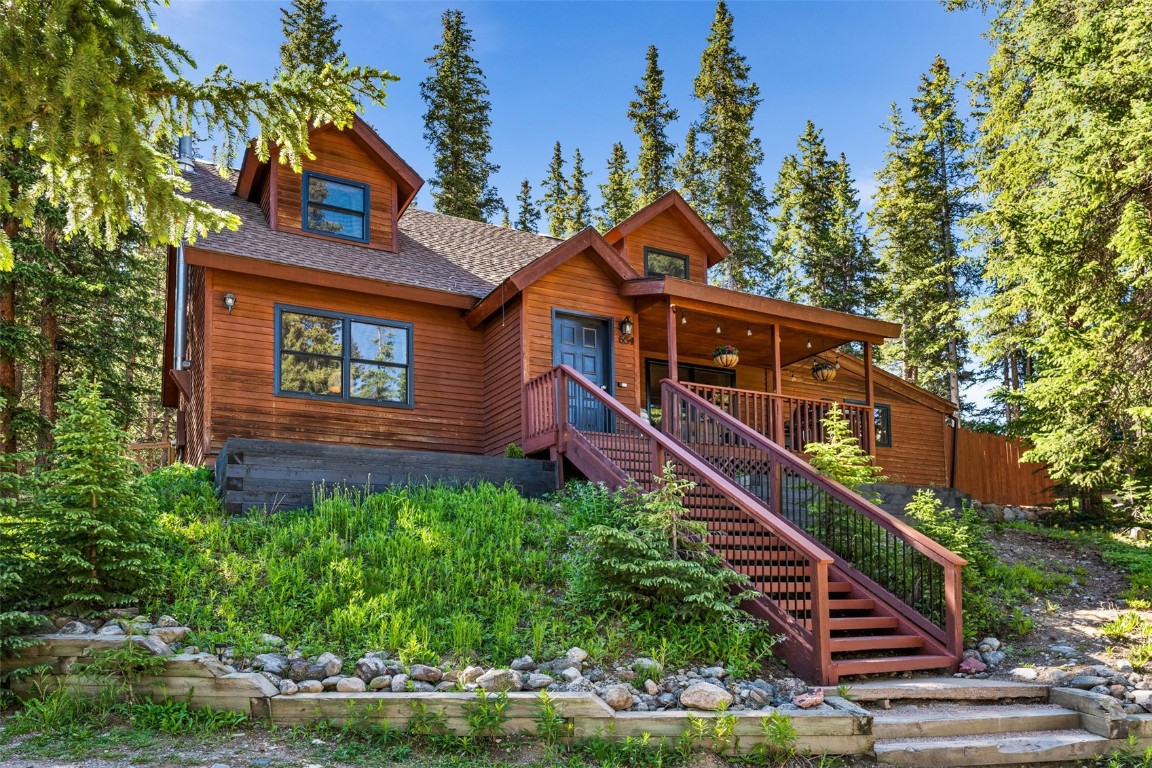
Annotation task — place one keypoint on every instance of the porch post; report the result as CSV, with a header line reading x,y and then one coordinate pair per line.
x,y
776,479
869,401
673,362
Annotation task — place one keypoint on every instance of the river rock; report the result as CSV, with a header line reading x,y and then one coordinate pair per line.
x,y
330,683
351,685
425,674
419,686
717,672
399,683
814,698
75,628
369,668
501,680
169,634
331,663
577,654
271,641
274,663
618,697
705,696
651,688
470,674
537,681
310,686
381,683
167,621
287,687
111,628
1085,682
972,666
1024,674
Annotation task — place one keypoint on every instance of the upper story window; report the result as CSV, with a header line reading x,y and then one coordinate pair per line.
x,y
330,356
335,207
658,263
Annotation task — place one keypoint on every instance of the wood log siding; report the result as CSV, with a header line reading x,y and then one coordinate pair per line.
x,y
581,286
666,233
338,155
503,379
448,374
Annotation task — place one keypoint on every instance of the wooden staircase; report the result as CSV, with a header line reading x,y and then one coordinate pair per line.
x,y
850,589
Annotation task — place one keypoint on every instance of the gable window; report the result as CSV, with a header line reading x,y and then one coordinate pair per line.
x,y
665,263
883,415
335,207
330,356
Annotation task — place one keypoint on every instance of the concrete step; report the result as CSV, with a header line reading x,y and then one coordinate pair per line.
x,y
953,720
1008,749
944,689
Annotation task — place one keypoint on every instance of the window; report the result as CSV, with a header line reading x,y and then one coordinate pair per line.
x,y
883,416
335,207
698,374
330,356
657,263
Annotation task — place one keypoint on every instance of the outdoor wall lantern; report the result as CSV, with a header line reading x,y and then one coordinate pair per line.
x,y
626,326
229,301
822,371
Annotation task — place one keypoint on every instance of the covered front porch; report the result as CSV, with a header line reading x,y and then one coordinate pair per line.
x,y
789,368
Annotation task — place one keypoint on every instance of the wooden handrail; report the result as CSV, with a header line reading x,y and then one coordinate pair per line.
x,y
921,543
747,502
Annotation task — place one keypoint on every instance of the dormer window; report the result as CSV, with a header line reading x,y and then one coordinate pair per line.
x,y
335,207
665,263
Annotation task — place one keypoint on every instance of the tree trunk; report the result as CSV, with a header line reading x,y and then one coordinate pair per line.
x,y
950,278
9,389
49,372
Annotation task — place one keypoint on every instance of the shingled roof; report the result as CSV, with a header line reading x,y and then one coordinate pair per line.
x,y
438,252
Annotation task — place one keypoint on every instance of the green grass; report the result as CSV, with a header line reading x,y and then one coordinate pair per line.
x,y
476,573
1132,559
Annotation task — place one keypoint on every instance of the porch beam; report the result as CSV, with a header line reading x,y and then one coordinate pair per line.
x,y
869,401
673,362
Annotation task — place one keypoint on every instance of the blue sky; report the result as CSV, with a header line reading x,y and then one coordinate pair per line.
x,y
566,70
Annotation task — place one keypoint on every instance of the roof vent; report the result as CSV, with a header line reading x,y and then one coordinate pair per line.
x,y
184,157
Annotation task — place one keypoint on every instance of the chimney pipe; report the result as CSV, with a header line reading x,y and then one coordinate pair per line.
x,y
184,157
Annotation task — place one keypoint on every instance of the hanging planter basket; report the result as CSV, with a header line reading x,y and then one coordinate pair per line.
x,y
726,356
822,371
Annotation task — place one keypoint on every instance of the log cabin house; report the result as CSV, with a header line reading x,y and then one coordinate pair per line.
x,y
340,315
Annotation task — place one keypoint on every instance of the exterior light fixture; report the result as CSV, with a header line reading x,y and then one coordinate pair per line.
x,y
822,371
793,375
718,331
684,319
626,326
809,343
229,301
749,331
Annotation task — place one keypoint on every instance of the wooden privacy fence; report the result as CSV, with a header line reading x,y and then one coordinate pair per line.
x,y
988,468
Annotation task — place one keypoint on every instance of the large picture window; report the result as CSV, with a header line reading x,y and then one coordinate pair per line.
x,y
664,263
335,207
329,356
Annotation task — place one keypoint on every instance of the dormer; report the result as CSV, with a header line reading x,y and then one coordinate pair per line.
x,y
353,191
668,239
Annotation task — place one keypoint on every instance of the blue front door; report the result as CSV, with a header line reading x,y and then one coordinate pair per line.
x,y
582,343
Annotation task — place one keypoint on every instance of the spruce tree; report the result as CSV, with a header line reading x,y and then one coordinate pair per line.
x,y
457,126
651,114
818,244
556,195
692,180
309,35
732,154
619,193
94,524
528,211
579,204
926,190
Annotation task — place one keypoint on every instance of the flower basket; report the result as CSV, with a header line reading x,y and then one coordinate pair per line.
x,y
726,356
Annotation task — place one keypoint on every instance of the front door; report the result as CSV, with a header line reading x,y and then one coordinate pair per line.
x,y
582,343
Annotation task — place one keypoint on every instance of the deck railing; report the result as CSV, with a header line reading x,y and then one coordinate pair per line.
x,y
911,571
791,421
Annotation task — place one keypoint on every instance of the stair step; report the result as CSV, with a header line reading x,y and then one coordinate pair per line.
x,y
1039,747
876,643
848,623
886,664
842,604
794,587
762,540
917,722
760,556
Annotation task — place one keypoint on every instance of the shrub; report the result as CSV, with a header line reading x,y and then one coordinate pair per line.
x,y
654,558
964,533
840,456
514,451
91,521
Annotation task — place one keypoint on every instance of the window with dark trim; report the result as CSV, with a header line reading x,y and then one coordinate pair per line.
x,y
335,207
657,370
331,356
883,415
661,263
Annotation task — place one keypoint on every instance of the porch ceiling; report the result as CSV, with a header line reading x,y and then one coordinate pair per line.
x,y
697,336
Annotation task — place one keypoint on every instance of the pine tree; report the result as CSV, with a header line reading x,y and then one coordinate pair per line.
x,y
528,211
651,114
579,205
457,126
818,242
309,35
732,154
926,190
619,193
692,179
556,195
94,524
839,456
135,102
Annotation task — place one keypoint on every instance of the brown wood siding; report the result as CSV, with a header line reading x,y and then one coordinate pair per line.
x,y
666,233
339,156
448,375
988,468
918,432
195,424
579,285
503,380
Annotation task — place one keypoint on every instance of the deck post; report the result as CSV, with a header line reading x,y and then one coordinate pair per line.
x,y
821,634
870,402
673,362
